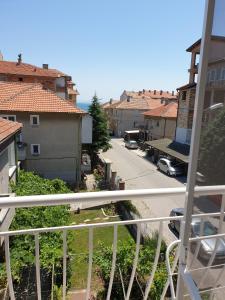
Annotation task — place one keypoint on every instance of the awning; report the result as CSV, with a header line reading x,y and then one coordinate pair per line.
x,y
172,148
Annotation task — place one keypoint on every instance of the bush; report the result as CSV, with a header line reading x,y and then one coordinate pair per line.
x,y
125,257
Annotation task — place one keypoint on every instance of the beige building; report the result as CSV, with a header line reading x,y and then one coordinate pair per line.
x,y
50,143
161,122
127,113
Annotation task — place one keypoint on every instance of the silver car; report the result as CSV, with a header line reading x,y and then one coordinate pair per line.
x,y
131,144
207,246
169,167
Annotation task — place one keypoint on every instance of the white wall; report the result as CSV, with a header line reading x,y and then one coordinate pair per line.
x,y
183,135
86,132
4,172
60,82
60,94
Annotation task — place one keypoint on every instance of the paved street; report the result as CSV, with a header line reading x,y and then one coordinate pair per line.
x,y
140,173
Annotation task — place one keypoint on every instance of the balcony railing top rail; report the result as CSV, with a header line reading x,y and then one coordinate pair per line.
x,y
108,196
115,196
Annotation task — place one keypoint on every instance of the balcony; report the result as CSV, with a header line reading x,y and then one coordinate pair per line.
x,y
193,275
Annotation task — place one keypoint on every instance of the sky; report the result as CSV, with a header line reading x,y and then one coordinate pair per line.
x,y
106,46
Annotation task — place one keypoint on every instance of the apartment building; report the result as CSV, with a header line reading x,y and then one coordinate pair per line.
x,y
52,79
127,113
214,90
50,143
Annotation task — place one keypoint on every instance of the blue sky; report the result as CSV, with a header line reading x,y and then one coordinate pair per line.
x,y
107,46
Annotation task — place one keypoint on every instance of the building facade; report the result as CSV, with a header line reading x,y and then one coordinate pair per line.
x,y
50,143
214,90
127,113
161,122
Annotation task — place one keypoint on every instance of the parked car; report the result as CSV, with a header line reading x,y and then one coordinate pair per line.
x,y
206,245
131,144
171,168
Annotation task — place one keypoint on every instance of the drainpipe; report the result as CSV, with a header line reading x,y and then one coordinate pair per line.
x,y
16,157
164,134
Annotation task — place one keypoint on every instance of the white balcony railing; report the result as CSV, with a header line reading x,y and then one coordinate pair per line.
x,y
191,287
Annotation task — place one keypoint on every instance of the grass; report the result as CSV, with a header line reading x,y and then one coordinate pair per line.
x,y
79,244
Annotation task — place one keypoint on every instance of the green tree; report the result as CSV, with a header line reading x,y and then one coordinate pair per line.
x,y
212,151
100,135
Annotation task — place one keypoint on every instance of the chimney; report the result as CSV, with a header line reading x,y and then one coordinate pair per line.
x,y
150,91
45,66
143,91
161,92
172,93
19,59
110,101
154,92
1,56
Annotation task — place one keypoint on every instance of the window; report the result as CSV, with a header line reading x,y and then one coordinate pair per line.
x,y
9,117
35,149
184,95
157,123
20,79
223,75
212,75
34,120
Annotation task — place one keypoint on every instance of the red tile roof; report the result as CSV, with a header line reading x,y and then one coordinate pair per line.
x,y
33,98
168,111
143,103
10,67
8,128
154,94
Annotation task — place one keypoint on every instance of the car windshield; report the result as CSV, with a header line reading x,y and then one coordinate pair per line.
x,y
174,163
208,229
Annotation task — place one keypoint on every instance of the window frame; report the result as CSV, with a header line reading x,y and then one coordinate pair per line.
x,y
32,149
31,120
9,116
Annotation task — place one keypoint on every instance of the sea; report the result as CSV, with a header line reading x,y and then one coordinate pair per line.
x,y
83,105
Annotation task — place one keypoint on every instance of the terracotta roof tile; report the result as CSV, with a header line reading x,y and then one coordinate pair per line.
x,y
8,128
164,111
10,67
33,98
143,103
154,94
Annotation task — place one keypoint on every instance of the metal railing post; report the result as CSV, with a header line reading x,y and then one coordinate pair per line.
x,y
195,141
